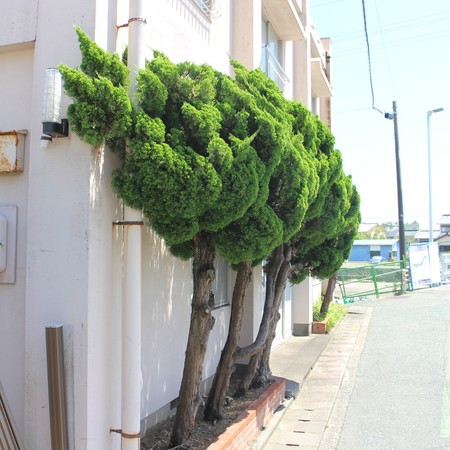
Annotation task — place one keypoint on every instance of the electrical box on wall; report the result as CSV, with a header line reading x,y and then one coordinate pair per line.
x,y
8,238
12,148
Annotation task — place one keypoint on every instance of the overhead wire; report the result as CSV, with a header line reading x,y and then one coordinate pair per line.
x,y
398,42
369,58
397,26
384,48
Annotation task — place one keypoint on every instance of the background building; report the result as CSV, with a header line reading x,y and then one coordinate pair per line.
x,y
63,263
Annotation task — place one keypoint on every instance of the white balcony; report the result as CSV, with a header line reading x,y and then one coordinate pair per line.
x,y
284,15
321,86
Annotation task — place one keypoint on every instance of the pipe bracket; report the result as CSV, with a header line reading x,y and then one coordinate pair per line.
x,y
125,435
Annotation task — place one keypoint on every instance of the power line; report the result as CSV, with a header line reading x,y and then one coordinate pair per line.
x,y
396,26
384,48
395,43
327,3
368,57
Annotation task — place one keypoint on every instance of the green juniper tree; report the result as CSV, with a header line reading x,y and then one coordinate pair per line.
x,y
197,154
289,192
320,222
326,259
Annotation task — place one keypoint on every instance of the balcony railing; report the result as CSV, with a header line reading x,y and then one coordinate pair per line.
x,y
274,70
210,7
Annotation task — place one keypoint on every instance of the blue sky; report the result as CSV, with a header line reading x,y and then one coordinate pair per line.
x,y
410,51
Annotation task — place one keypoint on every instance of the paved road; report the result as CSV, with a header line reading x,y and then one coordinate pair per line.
x,y
401,393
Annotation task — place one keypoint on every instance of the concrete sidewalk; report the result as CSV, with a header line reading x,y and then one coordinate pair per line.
x,y
319,370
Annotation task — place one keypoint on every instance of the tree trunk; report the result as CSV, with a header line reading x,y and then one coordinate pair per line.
x,y
201,325
258,344
328,297
217,393
275,284
263,371
254,349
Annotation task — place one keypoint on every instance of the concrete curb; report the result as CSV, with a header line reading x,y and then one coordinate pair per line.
x,y
332,402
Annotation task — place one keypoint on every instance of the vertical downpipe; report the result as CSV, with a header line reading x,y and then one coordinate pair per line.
x,y
131,313
131,333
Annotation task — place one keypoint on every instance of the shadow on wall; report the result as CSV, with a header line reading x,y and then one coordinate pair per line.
x,y
166,300
166,310
193,16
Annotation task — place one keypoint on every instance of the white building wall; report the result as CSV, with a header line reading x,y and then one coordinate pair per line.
x,y
18,21
60,246
15,114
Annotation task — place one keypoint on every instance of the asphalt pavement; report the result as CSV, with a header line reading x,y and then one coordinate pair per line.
x,y
381,381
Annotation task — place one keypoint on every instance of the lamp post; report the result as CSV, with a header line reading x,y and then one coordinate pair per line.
x,y
430,200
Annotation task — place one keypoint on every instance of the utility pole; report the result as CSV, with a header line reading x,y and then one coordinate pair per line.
x,y
401,223
430,196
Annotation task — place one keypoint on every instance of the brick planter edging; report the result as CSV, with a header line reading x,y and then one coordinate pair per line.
x,y
252,421
319,327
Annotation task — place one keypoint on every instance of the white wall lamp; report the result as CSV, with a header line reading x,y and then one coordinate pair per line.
x,y
52,124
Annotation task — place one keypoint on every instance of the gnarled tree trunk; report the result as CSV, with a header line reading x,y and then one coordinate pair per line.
x,y
275,284
217,393
263,371
201,325
328,297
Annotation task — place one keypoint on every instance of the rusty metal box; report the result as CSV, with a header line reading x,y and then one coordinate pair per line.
x,y
12,148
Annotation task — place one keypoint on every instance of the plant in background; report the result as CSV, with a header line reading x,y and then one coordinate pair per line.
x,y
334,315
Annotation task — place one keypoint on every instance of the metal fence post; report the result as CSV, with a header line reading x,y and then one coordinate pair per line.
x,y
375,284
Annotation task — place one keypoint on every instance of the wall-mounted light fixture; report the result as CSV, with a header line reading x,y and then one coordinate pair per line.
x,y
52,124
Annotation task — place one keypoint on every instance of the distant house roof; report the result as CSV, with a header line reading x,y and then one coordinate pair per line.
x,y
392,233
442,236
423,235
390,242
366,227
445,219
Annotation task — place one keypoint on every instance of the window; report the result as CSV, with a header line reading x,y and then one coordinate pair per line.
x,y
272,55
220,285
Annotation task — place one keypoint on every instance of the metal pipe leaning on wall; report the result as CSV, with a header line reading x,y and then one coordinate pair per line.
x,y
54,337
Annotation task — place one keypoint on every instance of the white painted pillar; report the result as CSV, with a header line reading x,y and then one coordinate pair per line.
x,y
302,305
246,32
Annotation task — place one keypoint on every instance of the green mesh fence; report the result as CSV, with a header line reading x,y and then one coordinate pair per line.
x,y
373,279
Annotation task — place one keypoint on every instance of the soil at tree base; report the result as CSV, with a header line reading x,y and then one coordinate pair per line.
x,y
205,433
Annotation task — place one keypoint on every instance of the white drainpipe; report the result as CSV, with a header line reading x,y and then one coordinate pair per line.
x,y
131,332
131,311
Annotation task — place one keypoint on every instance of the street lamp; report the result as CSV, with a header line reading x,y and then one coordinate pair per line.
x,y
430,202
